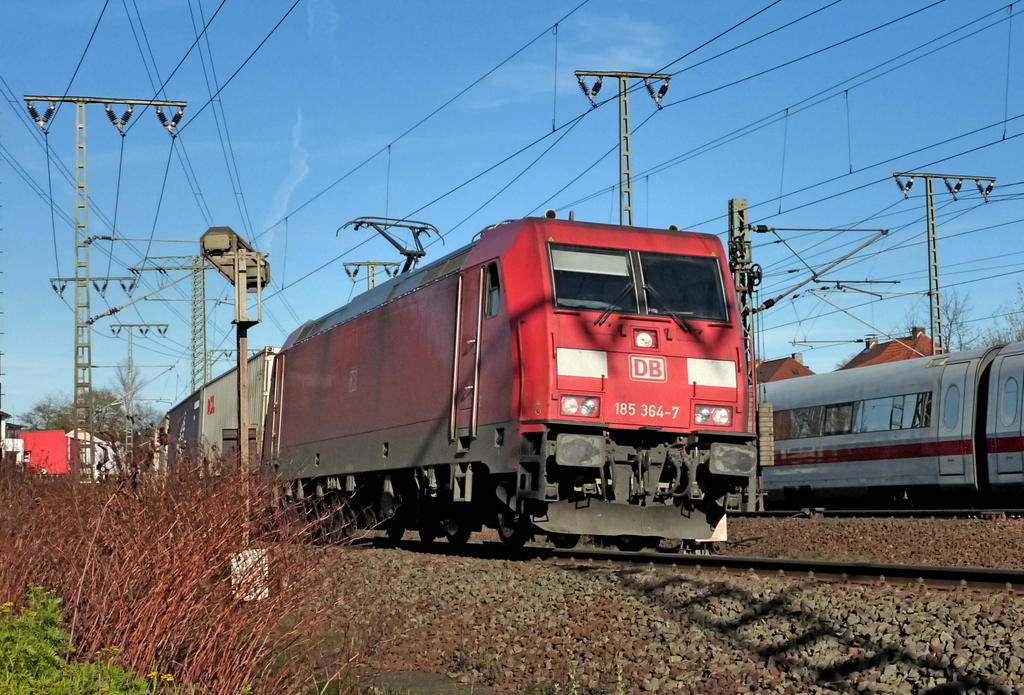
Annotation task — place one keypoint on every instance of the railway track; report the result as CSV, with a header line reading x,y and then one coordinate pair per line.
x,y
823,513
923,576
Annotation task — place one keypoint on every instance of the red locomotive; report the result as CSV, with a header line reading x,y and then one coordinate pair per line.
x,y
553,377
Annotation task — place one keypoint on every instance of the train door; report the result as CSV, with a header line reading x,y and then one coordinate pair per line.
x,y
1005,432
954,446
467,357
272,448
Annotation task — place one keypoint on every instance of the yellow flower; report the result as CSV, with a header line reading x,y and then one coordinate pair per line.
x,y
104,690
168,677
152,674
30,614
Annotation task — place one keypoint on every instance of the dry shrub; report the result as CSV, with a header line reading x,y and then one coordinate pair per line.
x,y
144,565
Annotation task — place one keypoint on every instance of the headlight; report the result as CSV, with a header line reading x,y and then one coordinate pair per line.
x,y
581,406
645,339
718,415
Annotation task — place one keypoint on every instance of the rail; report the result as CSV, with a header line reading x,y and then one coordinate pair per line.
x,y
923,576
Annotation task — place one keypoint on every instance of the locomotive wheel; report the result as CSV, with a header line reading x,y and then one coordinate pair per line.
x,y
456,532
564,541
427,534
395,532
512,532
630,544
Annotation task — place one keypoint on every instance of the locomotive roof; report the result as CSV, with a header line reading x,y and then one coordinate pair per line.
x,y
861,383
437,270
383,293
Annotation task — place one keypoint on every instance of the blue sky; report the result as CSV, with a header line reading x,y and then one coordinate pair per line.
x,y
305,115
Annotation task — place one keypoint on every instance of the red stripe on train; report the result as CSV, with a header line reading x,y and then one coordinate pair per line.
x,y
1005,445
889,452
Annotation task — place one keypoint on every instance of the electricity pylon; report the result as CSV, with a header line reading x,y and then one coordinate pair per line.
x,y
83,320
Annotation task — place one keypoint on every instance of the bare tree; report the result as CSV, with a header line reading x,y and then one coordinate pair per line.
x,y
56,411
1009,323
956,318
142,416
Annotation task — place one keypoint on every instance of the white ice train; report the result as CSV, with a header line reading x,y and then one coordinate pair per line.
x,y
934,432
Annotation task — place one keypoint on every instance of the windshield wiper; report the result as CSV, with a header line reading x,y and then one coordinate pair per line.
x,y
683,323
614,304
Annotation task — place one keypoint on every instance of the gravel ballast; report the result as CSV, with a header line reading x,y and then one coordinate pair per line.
x,y
514,625
950,542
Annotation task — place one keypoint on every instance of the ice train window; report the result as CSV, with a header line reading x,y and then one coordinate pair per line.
x,y
783,424
593,279
923,410
839,418
1010,401
875,415
952,407
807,422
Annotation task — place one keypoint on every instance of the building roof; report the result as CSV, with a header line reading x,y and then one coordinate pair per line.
x,y
917,344
785,368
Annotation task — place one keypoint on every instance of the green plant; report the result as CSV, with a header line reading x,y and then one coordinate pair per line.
x,y
32,655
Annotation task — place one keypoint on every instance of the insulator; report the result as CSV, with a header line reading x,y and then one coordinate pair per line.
x,y
177,117
112,117
127,115
41,121
583,86
664,90
910,182
988,189
161,117
650,89
597,87
899,184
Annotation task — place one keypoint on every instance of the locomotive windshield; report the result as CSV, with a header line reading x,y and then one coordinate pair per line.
x,y
593,279
638,282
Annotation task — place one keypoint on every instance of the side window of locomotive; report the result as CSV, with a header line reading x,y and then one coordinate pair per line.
x,y
690,286
1010,398
493,291
593,279
951,409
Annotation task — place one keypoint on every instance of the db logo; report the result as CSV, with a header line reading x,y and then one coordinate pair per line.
x,y
647,368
